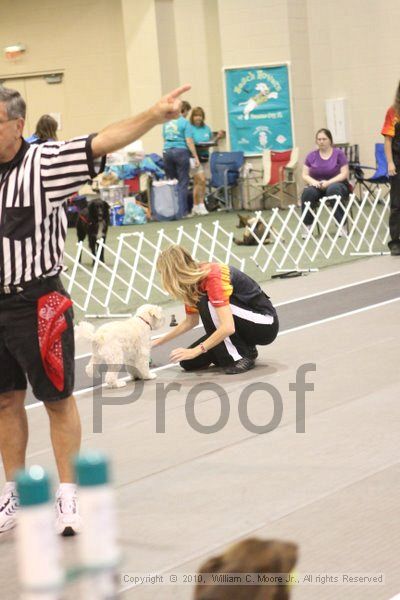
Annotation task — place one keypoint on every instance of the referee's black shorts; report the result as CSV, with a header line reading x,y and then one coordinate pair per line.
x,y
20,358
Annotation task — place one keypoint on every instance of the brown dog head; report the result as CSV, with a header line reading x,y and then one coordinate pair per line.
x,y
243,220
248,238
249,556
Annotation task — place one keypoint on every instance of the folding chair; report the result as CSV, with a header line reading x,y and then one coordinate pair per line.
x,y
380,177
279,181
225,173
352,154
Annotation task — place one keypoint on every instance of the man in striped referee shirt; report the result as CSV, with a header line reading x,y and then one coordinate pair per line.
x,y
36,320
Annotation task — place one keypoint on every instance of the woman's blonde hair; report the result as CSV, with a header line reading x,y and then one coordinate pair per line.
x,y
181,274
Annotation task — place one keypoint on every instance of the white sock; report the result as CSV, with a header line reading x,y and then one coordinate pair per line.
x,y
67,488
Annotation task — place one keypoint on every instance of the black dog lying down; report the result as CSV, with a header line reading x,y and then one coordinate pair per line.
x,y
248,239
93,222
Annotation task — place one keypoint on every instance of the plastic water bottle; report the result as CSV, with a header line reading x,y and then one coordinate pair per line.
x,y
37,544
99,555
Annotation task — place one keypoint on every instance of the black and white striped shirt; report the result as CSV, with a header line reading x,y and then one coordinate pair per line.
x,y
33,189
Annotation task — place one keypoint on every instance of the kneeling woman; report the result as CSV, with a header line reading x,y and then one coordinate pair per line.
x,y
237,315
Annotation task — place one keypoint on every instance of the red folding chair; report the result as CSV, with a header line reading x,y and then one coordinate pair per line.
x,y
279,176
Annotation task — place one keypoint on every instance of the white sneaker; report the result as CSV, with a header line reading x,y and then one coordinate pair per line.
x,y
8,508
342,232
68,520
306,231
201,210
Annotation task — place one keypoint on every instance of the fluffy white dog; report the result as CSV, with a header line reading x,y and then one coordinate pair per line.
x,y
124,342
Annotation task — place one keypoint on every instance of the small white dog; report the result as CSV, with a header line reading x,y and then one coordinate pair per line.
x,y
123,343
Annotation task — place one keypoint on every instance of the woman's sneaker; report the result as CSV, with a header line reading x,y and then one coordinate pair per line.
x,y
240,366
201,210
8,508
68,520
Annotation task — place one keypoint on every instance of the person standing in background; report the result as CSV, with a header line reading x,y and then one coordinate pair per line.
x,y
178,148
391,133
46,131
201,134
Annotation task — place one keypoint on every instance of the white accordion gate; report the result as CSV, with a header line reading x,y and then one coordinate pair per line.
x,y
130,272
112,289
363,231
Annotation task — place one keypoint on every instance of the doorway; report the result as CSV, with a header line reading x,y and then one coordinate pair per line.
x,y
41,98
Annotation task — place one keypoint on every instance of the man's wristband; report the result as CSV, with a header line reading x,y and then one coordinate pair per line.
x,y
202,346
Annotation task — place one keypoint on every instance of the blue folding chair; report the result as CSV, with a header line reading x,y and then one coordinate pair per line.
x,y
225,173
380,177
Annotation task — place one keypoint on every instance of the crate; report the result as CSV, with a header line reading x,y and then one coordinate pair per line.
x,y
114,194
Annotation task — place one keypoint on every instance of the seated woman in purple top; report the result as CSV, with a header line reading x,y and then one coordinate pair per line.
x,y
326,173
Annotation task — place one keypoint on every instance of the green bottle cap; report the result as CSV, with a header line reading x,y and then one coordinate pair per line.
x,y
33,486
91,469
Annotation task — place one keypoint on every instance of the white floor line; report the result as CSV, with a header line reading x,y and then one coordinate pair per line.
x,y
346,314
293,300
299,328
340,287
153,337
35,405
83,356
90,389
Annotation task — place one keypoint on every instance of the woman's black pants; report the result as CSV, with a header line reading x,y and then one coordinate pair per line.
x,y
394,218
313,195
251,329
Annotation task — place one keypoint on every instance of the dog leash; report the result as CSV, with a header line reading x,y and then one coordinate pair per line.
x,y
84,219
147,323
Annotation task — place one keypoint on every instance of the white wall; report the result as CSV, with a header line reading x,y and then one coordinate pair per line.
x,y
85,39
142,55
354,53
120,55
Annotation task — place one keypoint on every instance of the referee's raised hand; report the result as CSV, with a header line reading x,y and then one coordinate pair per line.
x,y
120,134
169,106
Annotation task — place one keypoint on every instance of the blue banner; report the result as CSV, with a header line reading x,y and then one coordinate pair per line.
x,y
258,104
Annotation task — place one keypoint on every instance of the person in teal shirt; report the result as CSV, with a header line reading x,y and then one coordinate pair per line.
x,y
178,149
201,133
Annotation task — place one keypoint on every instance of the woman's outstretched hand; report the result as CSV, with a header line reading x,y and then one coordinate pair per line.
x,y
180,354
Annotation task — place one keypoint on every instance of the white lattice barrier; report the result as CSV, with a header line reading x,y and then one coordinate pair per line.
x,y
363,230
129,272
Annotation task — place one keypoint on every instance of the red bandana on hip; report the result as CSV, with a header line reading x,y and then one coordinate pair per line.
x,y
51,324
